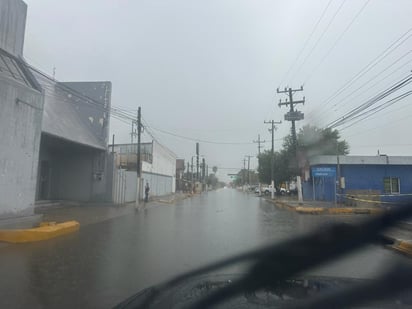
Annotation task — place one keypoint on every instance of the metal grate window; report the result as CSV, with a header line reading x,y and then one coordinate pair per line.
x,y
391,185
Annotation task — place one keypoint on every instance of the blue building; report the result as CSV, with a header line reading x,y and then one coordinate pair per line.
x,y
359,180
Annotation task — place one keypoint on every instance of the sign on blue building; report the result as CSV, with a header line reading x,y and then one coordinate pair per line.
x,y
324,171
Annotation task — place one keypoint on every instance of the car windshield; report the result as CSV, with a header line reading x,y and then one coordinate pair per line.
x,y
144,139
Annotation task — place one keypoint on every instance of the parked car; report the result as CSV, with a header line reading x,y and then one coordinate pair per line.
x,y
267,189
282,191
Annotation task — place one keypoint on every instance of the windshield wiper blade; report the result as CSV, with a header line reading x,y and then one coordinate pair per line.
x,y
374,290
278,262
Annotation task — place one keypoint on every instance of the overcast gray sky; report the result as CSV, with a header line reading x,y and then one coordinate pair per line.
x,y
209,70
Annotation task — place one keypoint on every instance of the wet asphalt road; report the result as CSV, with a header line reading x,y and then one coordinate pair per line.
x,y
105,263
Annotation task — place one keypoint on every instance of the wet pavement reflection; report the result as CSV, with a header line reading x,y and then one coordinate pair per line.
x,y
106,262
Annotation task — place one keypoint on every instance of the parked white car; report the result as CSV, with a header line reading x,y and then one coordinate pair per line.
x,y
268,189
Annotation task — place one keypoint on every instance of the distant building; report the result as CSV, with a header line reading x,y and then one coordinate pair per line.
x,y
21,110
364,180
158,168
126,157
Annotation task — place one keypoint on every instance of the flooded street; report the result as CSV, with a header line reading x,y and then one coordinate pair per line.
x,y
105,263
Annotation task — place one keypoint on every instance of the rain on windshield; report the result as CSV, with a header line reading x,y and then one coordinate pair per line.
x,y
144,139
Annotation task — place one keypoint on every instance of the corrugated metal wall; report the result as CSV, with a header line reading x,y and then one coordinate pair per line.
x,y
159,184
125,182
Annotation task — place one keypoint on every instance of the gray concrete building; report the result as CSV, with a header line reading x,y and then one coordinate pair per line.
x,y
21,110
73,151
53,135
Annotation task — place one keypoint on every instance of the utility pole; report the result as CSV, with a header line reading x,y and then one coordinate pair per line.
x,y
272,129
293,115
259,141
243,174
139,132
197,161
191,175
248,169
203,172
113,143
259,146
131,134
188,171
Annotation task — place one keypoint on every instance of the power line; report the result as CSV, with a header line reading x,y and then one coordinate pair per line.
x,y
379,108
377,75
318,40
357,112
324,111
394,122
305,44
336,42
200,140
393,46
113,111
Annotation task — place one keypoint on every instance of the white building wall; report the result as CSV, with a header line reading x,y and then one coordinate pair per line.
x,y
164,161
12,25
164,164
160,175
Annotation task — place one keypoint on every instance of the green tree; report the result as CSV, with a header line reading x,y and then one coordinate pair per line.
x,y
311,141
214,169
212,181
281,170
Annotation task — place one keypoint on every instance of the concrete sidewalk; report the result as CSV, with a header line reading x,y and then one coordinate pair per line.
x,y
91,213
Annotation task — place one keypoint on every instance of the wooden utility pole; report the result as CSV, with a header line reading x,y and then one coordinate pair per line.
x,y
259,141
138,171
272,129
139,132
197,161
243,174
293,115
248,169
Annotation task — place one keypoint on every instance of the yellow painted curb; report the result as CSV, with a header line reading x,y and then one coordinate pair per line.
x,y
404,247
310,210
325,210
45,231
340,211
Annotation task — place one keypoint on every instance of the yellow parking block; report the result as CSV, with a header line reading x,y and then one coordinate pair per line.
x,y
45,231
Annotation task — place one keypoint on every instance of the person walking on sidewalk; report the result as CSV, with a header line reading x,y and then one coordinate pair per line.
x,y
146,192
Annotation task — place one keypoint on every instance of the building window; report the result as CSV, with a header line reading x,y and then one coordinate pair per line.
x,y
391,185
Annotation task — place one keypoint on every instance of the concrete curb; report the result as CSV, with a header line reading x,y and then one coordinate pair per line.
x,y
174,199
46,230
323,210
402,246
399,245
